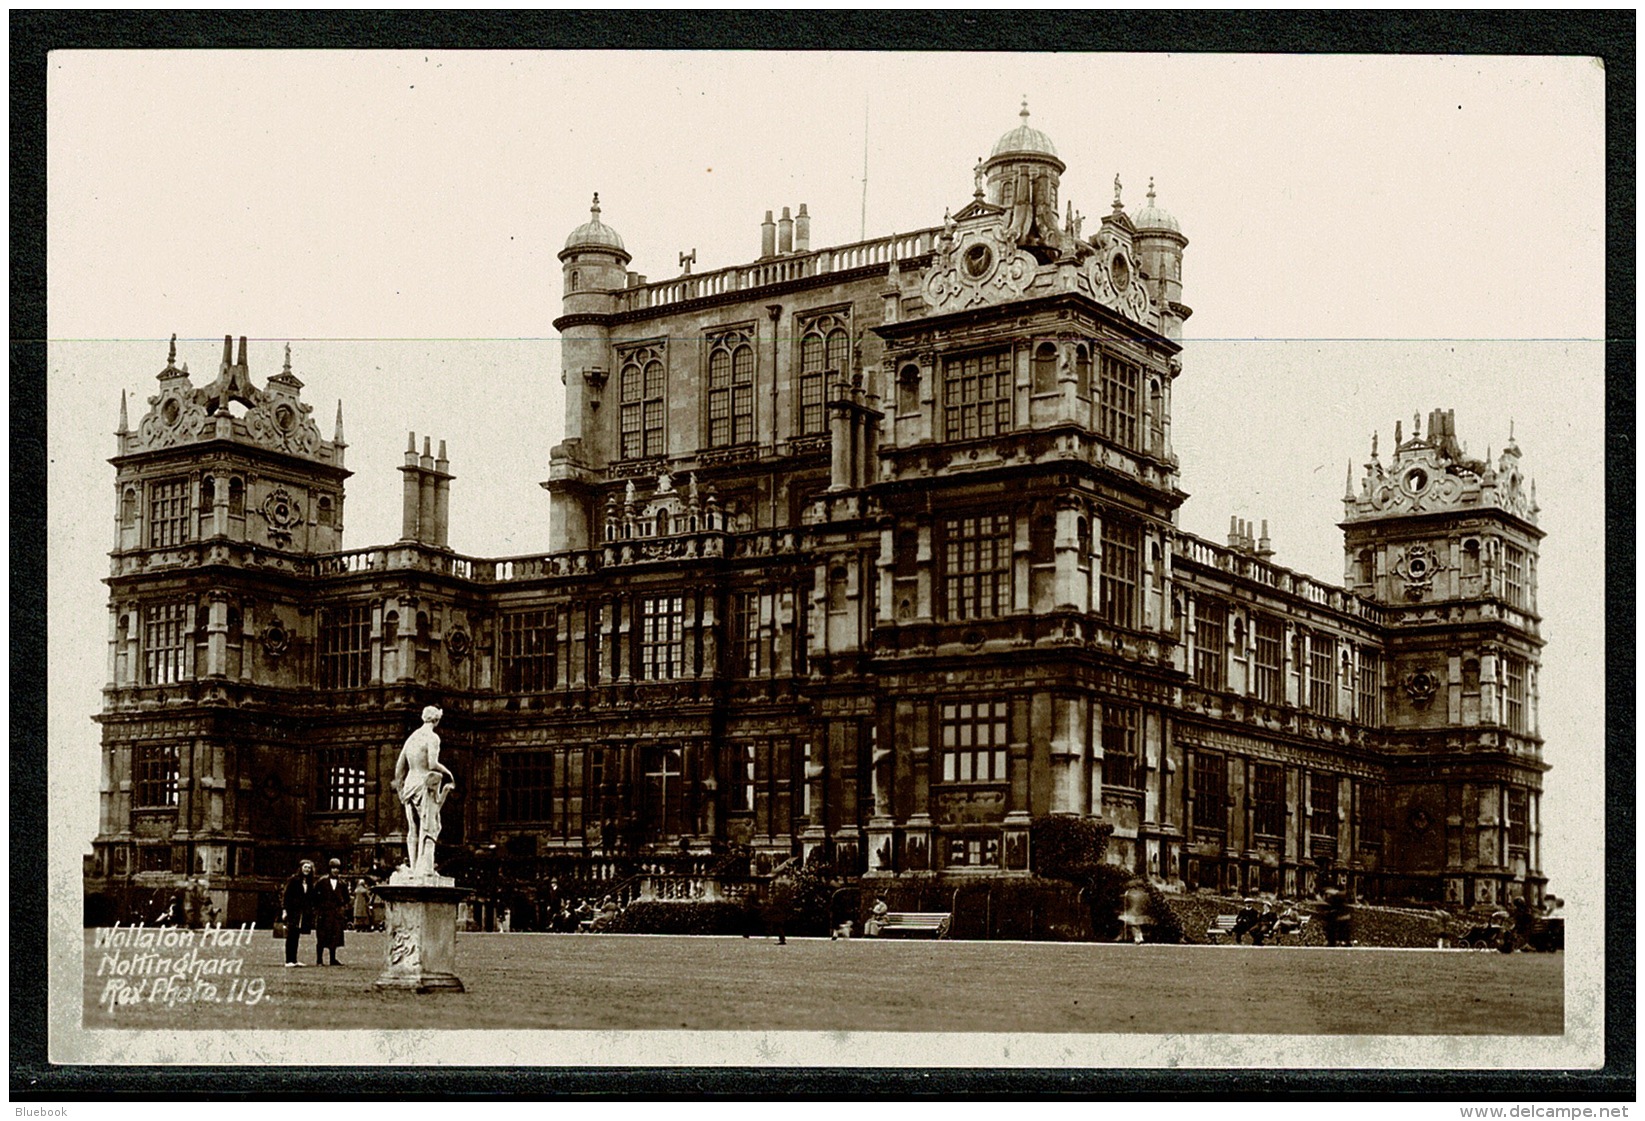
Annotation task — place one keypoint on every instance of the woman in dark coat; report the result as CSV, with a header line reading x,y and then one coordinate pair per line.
x,y
297,910
331,904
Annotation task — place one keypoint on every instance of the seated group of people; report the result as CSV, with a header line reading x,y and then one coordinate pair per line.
x,y
584,916
1260,921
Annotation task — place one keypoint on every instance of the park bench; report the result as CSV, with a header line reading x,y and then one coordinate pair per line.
x,y
915,922
1223,927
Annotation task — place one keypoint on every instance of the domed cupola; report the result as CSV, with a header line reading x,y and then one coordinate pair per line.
x,y
1024,154
1152,217
594,258
595,234
1158,244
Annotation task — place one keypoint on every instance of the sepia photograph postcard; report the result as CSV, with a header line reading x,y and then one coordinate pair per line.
x,y
826,559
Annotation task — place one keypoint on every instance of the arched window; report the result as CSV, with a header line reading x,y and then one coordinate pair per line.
x,y
1470,675
640,387
574,281
836,588
1470,557
1045,368
730,390
908,390
208,495
323,511
1042,539
128,508
1082,371
1156,416
236,498
907,558
1367,565
391,628
825,356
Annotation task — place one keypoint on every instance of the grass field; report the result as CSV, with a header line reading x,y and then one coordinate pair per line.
x,y
591,982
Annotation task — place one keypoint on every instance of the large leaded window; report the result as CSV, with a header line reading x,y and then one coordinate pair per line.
x,y
825,355
1270,636
1210,788
1519,823
977,395
1120,549
641,387
345,647
1322,678
1513,673
1117,414
1119,746
1210,642
1268,800
154,775
168,513
1370,815
165,642
730,390
1370,686
977,566
746,644
342,775
974,739
1323,803
662,638
1513,575
525,650
525,786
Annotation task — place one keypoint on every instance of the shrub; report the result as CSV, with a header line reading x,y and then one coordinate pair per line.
x,y
684,918
1167,926
1066,846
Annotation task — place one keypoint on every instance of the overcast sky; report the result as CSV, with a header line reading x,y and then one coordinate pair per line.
x,y
1369,238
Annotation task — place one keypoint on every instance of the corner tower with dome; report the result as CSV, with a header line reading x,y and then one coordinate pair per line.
x,y
865,553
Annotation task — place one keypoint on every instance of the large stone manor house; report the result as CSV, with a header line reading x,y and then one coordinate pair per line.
x,y
870,549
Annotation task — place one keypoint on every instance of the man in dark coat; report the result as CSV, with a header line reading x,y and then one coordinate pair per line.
x,y
331,903
297,910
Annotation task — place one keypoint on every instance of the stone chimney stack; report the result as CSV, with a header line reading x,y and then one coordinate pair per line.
x,y
411,492
802,231
785,233
768,236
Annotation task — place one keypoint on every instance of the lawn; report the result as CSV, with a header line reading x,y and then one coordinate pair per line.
x,y
591,982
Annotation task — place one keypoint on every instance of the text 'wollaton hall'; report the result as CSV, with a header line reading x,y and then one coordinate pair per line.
x,y
868,550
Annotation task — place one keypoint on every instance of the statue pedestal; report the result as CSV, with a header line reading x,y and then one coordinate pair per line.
x,y
422,934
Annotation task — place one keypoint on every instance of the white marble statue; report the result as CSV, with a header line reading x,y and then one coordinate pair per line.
x,y
424,784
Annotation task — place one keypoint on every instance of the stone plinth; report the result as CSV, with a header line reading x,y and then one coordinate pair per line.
x,y
422,935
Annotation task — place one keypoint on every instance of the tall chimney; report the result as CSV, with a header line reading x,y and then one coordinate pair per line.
x,y
411,491
442,499
802,231
768,237
242,359
785,233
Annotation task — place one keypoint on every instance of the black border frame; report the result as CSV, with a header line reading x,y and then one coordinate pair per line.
x,y
1609,36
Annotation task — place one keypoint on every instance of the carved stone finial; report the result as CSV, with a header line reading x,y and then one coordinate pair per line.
x,y
1024,113
124,426
1118,205
976,176
171,355
594,208
1150,190
286,369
